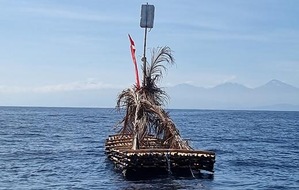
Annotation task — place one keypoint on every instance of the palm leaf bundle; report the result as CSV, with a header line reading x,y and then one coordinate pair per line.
x,y
144,114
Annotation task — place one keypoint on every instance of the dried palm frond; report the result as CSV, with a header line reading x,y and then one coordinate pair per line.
x,y
144,113
159,56
154,74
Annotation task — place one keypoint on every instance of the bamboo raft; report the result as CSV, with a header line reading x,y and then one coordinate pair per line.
x,y
153,159
148,142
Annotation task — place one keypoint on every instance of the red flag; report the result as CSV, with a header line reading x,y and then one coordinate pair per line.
x,y
133,49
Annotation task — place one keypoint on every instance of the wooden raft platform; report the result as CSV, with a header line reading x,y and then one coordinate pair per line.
x,y
152,158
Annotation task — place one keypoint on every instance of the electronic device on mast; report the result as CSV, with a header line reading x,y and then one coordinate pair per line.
x,y
146,21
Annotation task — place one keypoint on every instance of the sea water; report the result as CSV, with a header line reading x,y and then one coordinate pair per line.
x,y
63,148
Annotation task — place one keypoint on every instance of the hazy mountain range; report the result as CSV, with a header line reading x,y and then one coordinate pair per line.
x,y
274,95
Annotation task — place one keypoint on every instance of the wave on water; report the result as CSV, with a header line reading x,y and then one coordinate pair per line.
x,y
62,148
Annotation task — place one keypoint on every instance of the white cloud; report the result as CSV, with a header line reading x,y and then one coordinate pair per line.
x,y
90,84
12,89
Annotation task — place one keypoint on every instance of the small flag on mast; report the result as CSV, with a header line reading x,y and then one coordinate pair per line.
x,y
133,49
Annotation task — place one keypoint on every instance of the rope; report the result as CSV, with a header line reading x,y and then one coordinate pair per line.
x,y
168,164
191,172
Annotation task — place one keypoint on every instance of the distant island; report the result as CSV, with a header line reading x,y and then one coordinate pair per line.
x,y
274,95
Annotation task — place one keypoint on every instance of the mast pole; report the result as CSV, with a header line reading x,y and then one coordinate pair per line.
x,y
144,56
146,21
144,46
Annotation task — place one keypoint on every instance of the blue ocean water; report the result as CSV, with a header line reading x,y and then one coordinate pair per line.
x,y
63,148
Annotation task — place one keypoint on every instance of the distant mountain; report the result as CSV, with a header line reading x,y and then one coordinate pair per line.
x,y
229,85
186,87
274,95
276,85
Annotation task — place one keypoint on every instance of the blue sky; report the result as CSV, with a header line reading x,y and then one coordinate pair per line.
x,y
54,46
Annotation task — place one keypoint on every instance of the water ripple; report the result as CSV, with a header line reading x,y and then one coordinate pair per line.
x,y
63,148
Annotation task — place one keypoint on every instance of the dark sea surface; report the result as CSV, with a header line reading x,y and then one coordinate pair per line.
x,y
63,148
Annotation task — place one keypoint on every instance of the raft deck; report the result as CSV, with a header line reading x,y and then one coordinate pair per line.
x,y
152,158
